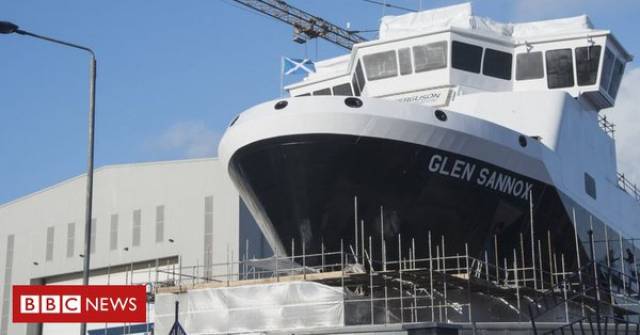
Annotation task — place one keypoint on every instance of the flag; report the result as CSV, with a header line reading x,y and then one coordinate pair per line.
x,y
297,66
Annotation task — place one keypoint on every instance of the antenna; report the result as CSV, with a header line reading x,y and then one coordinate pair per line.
x,y
306,26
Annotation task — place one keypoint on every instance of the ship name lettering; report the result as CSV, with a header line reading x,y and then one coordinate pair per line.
x,y
459,170
421,98
486,177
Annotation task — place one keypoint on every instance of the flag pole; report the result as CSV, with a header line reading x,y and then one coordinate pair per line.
x,y
281,76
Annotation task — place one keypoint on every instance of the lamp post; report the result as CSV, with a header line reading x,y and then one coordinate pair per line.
x,y
10,28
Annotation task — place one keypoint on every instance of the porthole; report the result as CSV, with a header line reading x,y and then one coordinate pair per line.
x,y
522,140
281,104
353,102
440,115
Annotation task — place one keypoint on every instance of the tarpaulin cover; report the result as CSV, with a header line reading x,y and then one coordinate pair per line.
x,y
461,16
250,309
330,67
458,16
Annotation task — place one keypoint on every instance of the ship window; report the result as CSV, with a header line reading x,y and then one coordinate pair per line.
x,y
618,71
381,65
529,66
587,61
467,57
324,91
607,67
404,58
344,90
304,95
590,185
358,80
559,68
497,64
430,56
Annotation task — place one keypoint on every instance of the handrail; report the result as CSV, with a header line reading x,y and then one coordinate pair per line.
x,y
607,126
626,185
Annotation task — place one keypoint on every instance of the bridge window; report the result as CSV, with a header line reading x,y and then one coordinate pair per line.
x,y
343,89
404,58
618,71
430,56
381,65
587,61
529,66
497,64
358,80
559,68
612,71
466,57
324,91
607,67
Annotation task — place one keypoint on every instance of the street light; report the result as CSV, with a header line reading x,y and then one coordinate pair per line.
x,y
10,28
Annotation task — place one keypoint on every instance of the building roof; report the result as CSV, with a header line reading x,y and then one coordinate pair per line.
x,y
98,171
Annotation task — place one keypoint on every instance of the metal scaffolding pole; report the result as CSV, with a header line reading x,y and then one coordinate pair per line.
x,y
495,247
540,265
401,282
355,223
515,271
362,239
564,289
533,249
384,256
431,278
371,279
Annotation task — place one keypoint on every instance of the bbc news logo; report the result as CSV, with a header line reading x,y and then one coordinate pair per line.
x,y
77,303
50,304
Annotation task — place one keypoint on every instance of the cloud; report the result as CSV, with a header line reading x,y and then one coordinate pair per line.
x,y
188,139
626,116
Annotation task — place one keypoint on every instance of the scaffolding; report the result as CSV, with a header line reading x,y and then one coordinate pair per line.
x,y
440,287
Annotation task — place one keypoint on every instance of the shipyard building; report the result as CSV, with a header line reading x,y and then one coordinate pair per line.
x,y
148,220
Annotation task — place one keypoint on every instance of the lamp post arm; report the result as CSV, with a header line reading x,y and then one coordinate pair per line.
x,y
73,45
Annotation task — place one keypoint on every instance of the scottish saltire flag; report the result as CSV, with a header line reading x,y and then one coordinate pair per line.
x,y
297,66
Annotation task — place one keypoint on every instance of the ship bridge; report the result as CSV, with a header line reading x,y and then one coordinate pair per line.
x,y
432,56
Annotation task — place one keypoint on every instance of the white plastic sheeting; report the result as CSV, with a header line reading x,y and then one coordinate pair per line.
x,y
461,16
393,27
458,16
552,27
330,67
250,309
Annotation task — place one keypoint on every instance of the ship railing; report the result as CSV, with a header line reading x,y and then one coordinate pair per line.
x,y
626,185
607,126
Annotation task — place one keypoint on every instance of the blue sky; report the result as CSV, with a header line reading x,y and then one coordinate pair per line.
x,y
172,74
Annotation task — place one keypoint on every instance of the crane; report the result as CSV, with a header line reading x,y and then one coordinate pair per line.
x,y
306,26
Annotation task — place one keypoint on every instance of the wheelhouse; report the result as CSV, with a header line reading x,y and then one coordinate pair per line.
x,y
435,66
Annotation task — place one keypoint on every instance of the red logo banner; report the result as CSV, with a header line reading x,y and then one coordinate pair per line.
x,y
78,303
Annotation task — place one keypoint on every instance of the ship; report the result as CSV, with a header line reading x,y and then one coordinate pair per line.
x,y
449,127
